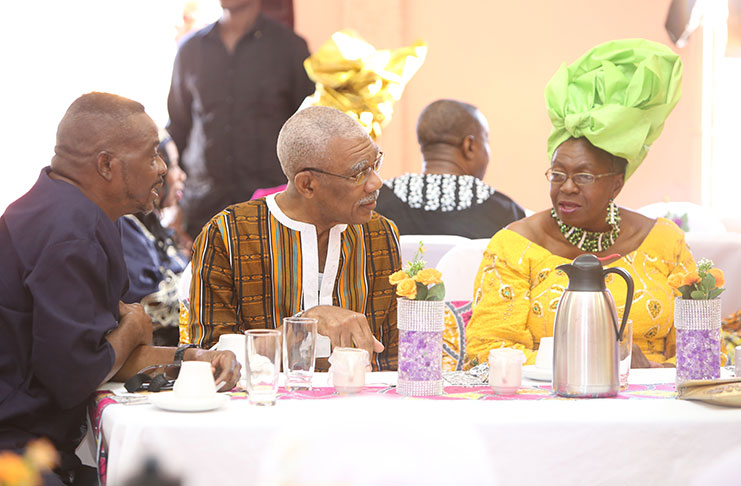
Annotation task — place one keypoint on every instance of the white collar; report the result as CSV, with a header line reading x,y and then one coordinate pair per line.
x,y
313,296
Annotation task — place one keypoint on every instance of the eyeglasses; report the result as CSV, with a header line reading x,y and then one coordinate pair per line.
x,y
358,178
580,179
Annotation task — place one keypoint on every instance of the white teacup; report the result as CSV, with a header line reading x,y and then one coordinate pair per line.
x,y
195,380
236,344
505,370
544,358
347,370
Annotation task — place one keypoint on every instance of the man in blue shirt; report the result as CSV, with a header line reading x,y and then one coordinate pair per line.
x,y
65,330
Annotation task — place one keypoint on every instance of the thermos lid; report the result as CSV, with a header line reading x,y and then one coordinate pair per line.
x,y
585,274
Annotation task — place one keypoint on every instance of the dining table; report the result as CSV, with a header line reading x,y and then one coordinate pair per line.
x,y
467,435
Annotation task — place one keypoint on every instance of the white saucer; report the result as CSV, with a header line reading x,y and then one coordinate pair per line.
x,y
538,374
169,401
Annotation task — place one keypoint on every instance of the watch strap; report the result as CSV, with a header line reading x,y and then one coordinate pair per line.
x,y
180,352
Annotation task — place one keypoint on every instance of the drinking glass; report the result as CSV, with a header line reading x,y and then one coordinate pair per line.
x,y
262,362
625,354
299,351
505,370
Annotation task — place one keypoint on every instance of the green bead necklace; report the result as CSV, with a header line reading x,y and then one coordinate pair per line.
x,y
591,241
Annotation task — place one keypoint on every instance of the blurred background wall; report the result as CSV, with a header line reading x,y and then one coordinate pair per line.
x,y
499,56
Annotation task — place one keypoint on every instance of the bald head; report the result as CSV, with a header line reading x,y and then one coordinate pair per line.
x,y
94,122
446,121
304,138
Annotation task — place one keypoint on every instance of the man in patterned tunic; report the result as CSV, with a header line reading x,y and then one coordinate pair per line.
x,y
316,249
449,197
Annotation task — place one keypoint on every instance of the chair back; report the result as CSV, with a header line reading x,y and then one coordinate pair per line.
x,y
435,247
459,267
698,218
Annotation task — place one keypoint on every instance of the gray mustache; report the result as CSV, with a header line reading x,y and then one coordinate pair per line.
x,y
370,198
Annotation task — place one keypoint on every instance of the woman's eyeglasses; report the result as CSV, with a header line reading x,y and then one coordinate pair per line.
x,y
580,179
358,178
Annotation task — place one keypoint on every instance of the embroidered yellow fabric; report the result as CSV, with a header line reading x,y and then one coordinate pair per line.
x,y
517,289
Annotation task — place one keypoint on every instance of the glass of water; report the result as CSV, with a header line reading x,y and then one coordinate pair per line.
x,y
625,354
262,363
299,351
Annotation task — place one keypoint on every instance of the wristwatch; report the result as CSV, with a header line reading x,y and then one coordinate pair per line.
x,y
180,352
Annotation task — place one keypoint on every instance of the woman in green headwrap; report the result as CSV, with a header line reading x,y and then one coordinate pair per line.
x,y
606,110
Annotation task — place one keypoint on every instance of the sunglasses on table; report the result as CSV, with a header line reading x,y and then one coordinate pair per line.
x,y
153,378
358,178
580,179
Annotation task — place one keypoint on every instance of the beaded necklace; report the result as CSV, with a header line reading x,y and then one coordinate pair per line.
x,y
592,241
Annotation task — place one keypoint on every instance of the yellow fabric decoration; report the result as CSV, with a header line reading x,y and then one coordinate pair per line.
x,y
354,77
522,315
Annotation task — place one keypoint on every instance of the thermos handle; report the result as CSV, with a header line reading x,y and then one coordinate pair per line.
x,y
628,296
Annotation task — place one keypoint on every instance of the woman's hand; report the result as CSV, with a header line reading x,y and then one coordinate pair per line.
x,y
639,360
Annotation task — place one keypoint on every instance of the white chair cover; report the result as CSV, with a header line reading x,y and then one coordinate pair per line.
x,y
459,266
699,218
724,249
184,285
435,247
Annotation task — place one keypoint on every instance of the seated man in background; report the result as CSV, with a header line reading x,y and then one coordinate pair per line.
x,y
449,197
317,248
64,328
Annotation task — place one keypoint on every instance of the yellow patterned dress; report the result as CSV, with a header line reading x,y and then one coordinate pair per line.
x,y
517,289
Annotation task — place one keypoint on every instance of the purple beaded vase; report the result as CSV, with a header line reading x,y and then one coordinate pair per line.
x,y
698,339
421,324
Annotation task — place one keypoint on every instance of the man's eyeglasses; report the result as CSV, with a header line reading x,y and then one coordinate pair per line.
x,y
358,178
580,179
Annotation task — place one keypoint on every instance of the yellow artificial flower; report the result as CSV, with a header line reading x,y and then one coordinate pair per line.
x,y
676,280
428,276
14,470
719,277
42,454
407,288
397,277
691,278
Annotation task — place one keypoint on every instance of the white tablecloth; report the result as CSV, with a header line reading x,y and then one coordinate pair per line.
x,y
381,440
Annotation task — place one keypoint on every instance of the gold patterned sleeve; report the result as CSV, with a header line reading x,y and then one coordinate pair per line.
x,y
501,300
212,306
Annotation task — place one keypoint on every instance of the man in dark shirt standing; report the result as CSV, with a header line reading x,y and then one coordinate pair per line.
x,y
234,84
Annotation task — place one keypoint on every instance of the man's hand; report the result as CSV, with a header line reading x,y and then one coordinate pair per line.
x,y
224,365
134,331
345,328
136,322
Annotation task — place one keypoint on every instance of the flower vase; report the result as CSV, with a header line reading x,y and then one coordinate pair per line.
x,y
420,324
698,339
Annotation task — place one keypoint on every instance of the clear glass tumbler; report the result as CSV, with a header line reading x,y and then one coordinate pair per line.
x,y
262,363
299,351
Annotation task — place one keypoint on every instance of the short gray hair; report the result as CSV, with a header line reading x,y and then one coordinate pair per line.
x,y
304,138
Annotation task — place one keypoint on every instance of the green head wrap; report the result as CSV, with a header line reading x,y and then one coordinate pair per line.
x,y
617,96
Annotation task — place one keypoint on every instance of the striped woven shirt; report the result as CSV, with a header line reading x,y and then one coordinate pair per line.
x,y
253,266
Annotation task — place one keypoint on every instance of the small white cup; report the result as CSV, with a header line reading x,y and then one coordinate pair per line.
x,y
544,358
195,380
347,369
236,344
505,370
